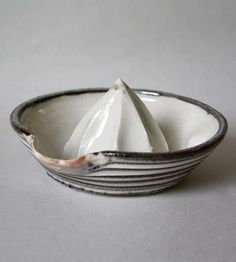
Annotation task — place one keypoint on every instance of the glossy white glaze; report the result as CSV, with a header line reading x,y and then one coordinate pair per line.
x,y
185,125
119,121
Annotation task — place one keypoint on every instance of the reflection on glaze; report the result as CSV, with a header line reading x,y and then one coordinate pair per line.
x,y
119,121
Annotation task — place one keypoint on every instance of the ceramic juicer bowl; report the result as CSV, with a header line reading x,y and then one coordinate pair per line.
x,y
192,130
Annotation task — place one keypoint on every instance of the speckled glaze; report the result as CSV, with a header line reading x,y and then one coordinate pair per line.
x,y
113,172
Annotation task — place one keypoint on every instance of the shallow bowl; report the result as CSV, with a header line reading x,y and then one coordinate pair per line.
x,y
192,130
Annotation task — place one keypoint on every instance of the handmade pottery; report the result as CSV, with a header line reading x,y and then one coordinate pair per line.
x,y
192,130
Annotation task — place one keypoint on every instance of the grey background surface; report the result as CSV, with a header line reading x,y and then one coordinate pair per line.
x,y
185,47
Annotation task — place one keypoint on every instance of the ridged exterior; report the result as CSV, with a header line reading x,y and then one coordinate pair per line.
x,y
126,178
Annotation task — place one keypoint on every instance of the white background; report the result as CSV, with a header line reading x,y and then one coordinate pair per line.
x,y
185,47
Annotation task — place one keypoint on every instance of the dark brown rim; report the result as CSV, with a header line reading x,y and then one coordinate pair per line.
x,y
196,150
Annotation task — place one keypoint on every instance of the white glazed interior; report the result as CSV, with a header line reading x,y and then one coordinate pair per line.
x,y
107,126
53,121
